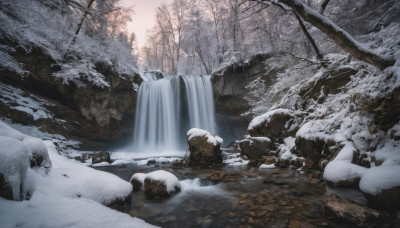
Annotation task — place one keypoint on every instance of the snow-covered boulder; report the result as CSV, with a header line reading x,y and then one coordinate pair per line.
x,y
14,162
137,181
381,186
38,154
255,148
205,148
276,124
158,183
103,156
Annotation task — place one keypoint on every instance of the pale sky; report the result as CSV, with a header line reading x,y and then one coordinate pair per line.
x,y
143,18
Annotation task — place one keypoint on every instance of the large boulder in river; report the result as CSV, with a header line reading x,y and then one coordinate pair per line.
x,y
255,147
156,184
205,148
277,124
381,186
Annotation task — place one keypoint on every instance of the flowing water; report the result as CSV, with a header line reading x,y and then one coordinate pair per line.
x,y
167,108
251,198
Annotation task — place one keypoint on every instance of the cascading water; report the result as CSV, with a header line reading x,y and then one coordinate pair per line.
x,y
168,108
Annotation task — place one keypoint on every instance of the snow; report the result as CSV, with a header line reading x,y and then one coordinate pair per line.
x,y
46,209
265,166
36,146
71,195
233,159
266,117
212,139
379,178
337,171
14,162
101,164
170,180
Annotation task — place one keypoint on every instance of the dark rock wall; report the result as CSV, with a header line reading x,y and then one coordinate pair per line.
x,y
230,90
98,117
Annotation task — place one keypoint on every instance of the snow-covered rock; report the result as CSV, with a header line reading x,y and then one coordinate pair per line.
x,y
255,148
276,124
205,148
381,186
14,162
158,183
37,151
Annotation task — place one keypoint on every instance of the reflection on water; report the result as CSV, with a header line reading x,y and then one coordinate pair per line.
x,y
256,198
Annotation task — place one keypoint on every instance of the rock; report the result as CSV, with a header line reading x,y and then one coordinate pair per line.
x,y
351,211
137,181
330,82
5,189
103,156
381,186
314,149
205,148
222,176
277,124
38,154
96,116
268,160
161,183
232,93
387,199
282,163
255,147
297,163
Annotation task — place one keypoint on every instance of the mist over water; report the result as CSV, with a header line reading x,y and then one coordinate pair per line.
x,y
167,108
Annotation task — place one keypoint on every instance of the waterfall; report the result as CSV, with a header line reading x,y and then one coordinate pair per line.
x,y
167,108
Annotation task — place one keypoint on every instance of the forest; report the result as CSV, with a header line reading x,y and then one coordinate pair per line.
x,y
230,113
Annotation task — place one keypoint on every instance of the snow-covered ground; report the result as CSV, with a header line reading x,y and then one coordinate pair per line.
x,y
71,195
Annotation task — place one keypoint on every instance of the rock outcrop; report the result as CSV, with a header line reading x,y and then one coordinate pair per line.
x,y
205,148
231,87
94,115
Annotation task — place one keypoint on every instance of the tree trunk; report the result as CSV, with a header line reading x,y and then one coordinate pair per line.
x,y
308,35
338,35
79,27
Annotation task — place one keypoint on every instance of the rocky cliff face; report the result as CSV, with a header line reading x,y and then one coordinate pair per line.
x,y
93,115
235,85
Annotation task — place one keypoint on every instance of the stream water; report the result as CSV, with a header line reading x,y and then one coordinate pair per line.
x,y
251,198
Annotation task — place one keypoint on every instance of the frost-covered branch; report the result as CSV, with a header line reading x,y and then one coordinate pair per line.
x,y
338,35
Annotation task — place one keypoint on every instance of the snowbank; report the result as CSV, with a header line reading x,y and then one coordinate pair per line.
x,y
196,132
34,146
14,162
343,171
70,196
379,178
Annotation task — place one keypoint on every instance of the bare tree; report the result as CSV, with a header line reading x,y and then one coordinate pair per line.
x,y
338,35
